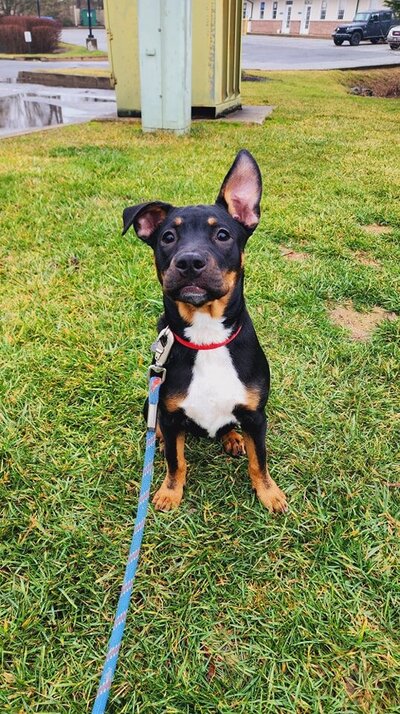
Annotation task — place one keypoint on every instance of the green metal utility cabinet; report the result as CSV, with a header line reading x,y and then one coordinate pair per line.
x,y
216,38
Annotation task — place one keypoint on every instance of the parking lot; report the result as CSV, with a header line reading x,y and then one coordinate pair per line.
x,y
282,52
275,53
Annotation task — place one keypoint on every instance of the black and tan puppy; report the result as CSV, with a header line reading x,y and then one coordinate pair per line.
x,y
217,374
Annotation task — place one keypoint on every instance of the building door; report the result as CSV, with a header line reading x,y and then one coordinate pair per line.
x,y
287,15
305,18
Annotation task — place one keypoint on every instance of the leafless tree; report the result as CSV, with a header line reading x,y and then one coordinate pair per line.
x,y
17,7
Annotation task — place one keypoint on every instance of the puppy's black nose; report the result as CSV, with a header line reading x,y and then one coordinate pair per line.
x,y
190,263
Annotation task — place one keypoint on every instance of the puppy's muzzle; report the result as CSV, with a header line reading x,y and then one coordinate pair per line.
x,y
194,277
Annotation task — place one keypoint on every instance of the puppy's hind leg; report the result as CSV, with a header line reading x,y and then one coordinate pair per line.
x,y
254,433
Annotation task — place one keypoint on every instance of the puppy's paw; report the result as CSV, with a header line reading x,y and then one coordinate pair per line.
x,y
167,499
233,443
272,497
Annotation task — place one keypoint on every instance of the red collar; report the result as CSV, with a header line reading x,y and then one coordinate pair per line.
x,y
210,346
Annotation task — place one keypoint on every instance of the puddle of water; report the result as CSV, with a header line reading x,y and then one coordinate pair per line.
x,y
17,113
21,111
97,99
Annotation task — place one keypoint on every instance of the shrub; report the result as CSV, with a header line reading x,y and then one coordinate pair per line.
x,y
45,38
12,39
45,34
13,20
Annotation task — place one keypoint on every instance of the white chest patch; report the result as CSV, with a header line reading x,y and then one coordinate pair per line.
x,y
215,389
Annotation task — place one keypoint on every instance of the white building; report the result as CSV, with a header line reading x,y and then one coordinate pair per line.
x,y
303,17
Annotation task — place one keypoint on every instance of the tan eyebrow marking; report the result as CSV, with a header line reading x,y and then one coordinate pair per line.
x,y
211,221
178,221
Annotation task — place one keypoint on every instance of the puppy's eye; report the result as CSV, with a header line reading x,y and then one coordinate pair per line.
x,y
168,237
222,235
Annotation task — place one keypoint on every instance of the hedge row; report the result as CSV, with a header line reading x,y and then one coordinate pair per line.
x,y
45,34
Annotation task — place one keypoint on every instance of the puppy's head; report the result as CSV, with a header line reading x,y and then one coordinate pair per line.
x,y
199,249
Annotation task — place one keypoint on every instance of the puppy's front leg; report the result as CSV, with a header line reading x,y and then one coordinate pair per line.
x,y
169,495
254,433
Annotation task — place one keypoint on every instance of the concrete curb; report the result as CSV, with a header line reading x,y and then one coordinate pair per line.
x,y
59,79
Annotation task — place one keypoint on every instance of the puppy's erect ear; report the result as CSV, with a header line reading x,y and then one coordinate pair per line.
x,y
241,191
145,218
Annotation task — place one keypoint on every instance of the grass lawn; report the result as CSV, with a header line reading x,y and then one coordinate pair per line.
x,y
66,51
233,610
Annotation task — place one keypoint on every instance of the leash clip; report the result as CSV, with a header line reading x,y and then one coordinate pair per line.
x,y
162,347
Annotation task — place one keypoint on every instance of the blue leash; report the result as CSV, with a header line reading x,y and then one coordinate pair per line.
x,y
157,375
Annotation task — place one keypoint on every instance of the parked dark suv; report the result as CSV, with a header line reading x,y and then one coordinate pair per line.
x,y
373,26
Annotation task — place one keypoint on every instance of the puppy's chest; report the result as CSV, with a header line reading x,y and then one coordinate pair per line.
x,y
214,391
215,388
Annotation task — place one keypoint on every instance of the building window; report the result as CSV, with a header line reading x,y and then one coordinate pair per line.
x,y
341,9
323,9
262,10
274,10
244,10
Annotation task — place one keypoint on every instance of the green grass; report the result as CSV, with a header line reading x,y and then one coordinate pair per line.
x,y
233,610
66,51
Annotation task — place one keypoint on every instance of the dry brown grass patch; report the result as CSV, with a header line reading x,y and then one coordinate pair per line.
x,y
377,229
365,259
375,82
290,254
359,324
356,693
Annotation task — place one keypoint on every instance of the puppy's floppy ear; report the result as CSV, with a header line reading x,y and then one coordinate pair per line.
x,y
145,218
241,191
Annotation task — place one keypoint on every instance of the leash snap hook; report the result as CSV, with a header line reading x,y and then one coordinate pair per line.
x,y
162,347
